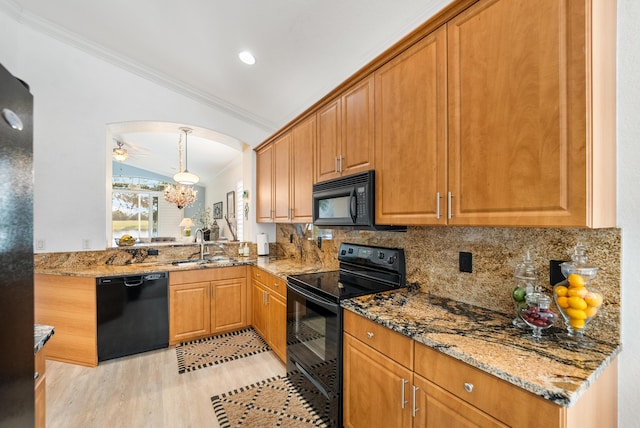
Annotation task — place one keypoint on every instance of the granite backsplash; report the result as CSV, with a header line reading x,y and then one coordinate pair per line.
x,y
432,260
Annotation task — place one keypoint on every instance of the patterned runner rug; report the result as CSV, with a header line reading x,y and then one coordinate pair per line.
x,y
202,353
270,403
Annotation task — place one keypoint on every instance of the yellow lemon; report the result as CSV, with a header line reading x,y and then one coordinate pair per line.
x,y
593,299
577,302
576,314
560,290
576,323
577,291
575,280
591,311
563,302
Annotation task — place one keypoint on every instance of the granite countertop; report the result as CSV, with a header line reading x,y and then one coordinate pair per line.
x,y
279,268
553,369
41,334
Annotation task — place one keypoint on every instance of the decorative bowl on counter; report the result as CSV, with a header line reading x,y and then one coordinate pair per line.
x,y
125,241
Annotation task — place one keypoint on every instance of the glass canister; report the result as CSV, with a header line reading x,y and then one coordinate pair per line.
x,y
577,301
538,315
525,277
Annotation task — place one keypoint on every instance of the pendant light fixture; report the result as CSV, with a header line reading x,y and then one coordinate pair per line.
x,y
120,154
183,194
185,177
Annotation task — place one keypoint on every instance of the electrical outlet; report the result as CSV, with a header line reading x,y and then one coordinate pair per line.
x,y
291,238
555,274
40,244
152,252
86,244
320,242
465,262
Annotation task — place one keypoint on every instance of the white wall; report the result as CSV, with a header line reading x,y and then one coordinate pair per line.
x,y
218,189
629,207
76,95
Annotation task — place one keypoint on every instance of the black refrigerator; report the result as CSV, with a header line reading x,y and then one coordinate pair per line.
x,y
16,253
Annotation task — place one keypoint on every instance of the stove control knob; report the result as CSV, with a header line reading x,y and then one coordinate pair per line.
x,y
343,252
380,255
392,260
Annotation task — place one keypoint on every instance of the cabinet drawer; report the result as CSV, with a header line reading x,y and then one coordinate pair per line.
x,y
392,344
277,285
484,391
202,275
259,275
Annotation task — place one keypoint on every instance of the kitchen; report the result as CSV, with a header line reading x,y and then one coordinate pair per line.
x,y
93,159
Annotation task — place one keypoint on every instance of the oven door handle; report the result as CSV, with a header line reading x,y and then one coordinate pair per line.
x,y
353,206
333,307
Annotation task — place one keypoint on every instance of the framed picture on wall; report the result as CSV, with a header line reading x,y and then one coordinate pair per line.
x,y
231,204
217,210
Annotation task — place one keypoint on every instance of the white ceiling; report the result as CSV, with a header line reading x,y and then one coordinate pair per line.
x,y
303,48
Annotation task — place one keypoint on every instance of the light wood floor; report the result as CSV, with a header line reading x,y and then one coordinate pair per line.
x,y
146,390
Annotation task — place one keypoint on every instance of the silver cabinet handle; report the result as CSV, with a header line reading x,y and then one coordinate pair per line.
x,y
341,159
336,165
370,335
264,298
404,383
468,387
438,205
449,213
414,409
36,375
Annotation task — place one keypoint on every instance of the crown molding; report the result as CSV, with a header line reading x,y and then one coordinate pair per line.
x,y
48,28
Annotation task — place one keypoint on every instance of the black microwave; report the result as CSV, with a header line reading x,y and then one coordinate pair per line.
x,y
347,202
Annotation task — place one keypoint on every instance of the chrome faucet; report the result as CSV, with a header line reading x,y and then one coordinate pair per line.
x,y
201,232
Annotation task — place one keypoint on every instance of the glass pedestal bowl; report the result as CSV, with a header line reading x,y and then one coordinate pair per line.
x,y
537,314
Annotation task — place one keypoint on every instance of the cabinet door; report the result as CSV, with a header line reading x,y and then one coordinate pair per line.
x,y
329,141
259,303
303,138
281,178
264,182
517,131
357,153
228,304
189,311
435,407
373,388
277,325
411,136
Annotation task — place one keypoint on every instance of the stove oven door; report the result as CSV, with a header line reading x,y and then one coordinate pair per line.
x,y
314,350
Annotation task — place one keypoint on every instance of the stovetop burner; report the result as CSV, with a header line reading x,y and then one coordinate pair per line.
x,y
363,270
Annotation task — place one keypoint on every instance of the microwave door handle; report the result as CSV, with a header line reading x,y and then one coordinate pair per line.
x,y
353,205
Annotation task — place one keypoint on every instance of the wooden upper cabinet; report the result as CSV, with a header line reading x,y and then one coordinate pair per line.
x,y
264,182
531,142
411,138
303,138
345,143
281,177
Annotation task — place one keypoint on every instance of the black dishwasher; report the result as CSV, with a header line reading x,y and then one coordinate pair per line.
x,y
133,314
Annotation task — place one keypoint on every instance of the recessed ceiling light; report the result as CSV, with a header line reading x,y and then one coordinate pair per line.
x,y
247,57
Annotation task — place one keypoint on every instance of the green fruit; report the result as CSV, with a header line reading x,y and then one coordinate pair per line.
x,y
519,294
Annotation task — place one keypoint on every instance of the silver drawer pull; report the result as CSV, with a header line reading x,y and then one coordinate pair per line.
x,y
468,387
36,375
370,335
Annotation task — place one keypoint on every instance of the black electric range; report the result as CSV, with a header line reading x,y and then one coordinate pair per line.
x,y
314,320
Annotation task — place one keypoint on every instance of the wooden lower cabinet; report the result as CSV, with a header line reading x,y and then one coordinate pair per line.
x,y
206,301
69,304
421,387
269,310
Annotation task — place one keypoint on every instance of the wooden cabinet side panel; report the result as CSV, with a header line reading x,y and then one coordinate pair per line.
x,y
372,390
517,143
329,141
69,304
411,135
598,406
358,128
189,312
264,182
228,305
281,178
303,139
